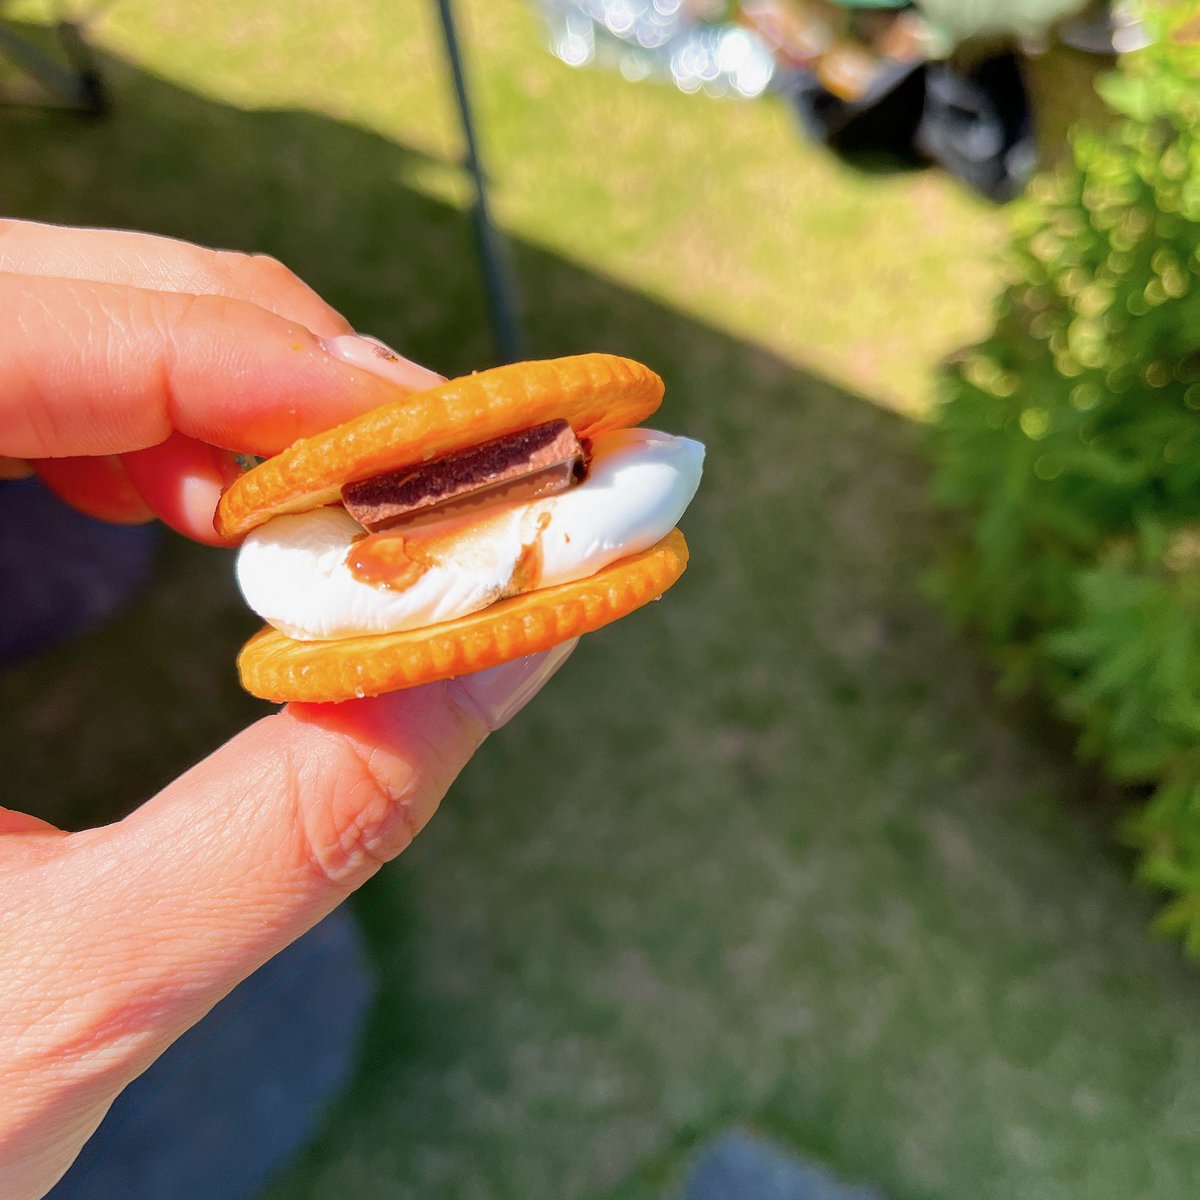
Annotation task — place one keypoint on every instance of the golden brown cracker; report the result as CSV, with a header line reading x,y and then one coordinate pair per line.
x,y
594,392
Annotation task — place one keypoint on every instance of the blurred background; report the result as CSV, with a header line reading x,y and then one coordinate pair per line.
x,y
830,872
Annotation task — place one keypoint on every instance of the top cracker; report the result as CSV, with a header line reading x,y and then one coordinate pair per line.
x,y
594,392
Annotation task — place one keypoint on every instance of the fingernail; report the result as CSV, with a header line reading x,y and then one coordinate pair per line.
x,y
370,354
499,693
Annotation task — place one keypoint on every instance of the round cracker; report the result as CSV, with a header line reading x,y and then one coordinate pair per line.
x,y
276,667
594,392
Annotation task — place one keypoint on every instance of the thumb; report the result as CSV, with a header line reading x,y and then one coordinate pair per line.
x,y
118,939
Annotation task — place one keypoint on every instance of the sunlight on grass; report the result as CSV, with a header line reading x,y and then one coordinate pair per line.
x,y
870,281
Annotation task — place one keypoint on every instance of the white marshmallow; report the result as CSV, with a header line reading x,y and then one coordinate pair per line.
x,y
293,570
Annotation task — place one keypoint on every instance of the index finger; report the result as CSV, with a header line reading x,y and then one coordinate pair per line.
x,y
102,368
164,264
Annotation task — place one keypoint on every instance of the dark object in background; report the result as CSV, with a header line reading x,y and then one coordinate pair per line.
x,y
878,128
233,1100
62,573
740,1165
978,125
879,82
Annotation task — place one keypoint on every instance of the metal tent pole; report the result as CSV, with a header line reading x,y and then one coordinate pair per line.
x,y
77,84
497,275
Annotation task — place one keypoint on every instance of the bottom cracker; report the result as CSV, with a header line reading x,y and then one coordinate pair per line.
x,y
276,667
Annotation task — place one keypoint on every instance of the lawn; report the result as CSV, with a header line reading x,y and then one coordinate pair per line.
x,y
769,853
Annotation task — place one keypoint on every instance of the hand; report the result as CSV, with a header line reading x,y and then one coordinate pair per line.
x,y
131,368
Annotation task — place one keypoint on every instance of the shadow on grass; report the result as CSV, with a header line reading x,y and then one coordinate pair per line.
x,y
801,472
790,760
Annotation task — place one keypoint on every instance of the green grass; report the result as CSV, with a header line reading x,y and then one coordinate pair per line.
x,y
769,852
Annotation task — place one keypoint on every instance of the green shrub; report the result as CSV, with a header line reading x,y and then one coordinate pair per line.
x,y
1068,447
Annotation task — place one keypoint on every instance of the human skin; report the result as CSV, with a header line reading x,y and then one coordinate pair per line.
x,y
132,368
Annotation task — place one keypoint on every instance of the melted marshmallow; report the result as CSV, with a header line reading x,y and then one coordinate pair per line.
x,y
293,572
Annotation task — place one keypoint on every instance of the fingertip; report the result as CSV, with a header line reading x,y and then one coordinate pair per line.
x,y
370,354
500,692
181,480
426,726
132,365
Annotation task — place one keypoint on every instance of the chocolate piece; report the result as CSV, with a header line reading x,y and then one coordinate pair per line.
x,y
523,466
